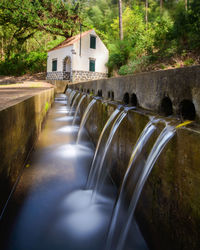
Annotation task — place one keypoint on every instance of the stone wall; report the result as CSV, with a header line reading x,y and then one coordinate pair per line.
x,y
81,76
58,75
20,125
155,91
77,76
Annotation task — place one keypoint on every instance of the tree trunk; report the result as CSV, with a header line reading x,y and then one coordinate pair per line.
x,y
146,14
2,51
161,5
186,5
120,21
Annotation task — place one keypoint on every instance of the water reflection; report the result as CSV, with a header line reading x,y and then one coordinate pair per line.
x,y
68,129
64,119
73,150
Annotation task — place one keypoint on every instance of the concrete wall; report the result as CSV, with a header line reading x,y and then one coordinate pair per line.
x,y
20,125
152,87
168,212
60,85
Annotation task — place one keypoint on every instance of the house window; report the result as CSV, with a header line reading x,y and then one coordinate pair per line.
x,y
54,65
92,65
93,42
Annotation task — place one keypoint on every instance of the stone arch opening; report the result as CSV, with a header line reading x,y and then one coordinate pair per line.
x,y
108,94
88,91
166,107
134,101
112,96
187,110
67,68
99,93
126,98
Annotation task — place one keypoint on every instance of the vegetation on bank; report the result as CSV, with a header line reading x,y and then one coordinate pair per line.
x,y
158,34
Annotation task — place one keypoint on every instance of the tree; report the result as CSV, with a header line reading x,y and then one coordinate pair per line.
x,y
161,5
54,16
120,21
146,13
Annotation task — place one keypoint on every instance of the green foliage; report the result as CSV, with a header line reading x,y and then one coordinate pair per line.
x,y
23,63
54,16
119,54
46,106
134,66
189,62
28,29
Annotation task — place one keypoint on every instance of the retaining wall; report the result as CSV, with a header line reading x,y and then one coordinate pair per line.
x,y
20,125
154,91
168,211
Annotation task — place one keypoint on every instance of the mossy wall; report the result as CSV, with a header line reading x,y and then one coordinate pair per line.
x,y
168,211
19,127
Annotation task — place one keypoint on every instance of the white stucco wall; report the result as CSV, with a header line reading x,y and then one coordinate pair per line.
x,y
100,54
60,55
81,63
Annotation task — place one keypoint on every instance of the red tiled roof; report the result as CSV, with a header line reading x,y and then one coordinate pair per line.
x,y
70,41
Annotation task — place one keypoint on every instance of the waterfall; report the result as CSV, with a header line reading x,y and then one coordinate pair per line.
x,y
102,172
73,103
71,96
166,134
77,109
84,119
142,140
93,169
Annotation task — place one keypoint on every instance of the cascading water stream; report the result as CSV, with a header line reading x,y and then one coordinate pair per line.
x,y
101,173
166,134
142,140
93,169
84,119
73,104
77,109
72,94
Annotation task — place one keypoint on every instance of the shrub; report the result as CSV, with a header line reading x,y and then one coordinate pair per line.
x,y
23,63
134,66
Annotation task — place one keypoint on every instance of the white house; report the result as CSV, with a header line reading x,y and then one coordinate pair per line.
x,y
79,58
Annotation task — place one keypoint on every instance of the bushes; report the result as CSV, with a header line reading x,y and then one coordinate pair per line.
x,y
119,55
134,66
23,63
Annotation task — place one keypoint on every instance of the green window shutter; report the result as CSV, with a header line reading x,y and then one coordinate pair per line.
x,y
54,65
92,42
92,65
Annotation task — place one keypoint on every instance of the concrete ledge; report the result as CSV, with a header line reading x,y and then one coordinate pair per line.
x,y
151,88
60,85
20,125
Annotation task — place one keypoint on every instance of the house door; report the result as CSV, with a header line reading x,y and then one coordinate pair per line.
x,y
67,68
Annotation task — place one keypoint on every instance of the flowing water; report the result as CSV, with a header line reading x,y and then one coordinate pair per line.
x,y
94,166
77,109
102,173
167,133
84,119
74,103
57,212
144,137
71,96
